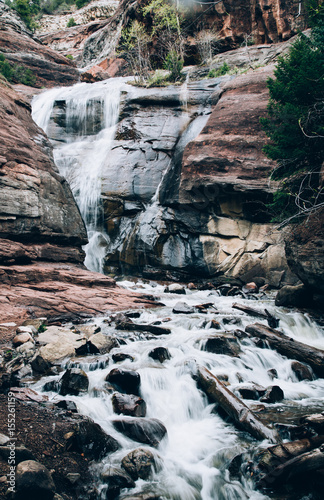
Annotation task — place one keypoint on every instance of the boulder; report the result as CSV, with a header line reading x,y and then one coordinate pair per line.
x,y
89,438
273,395
252,391
73,382
21,453
294,296
304,251
139,463
223,344
128,404
127,381
160,354
183,308
33,482
175,288
302,371
144,430
22,338
116,479
100,343
67,405
118,357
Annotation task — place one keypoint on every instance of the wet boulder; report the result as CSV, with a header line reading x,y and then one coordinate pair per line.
x,y
118,357
175,288
127,381
160,354
223,344
116,479
302,371
144,430
91,440
100,343
183,308
294,296
128,404
33,482
273,394
252,391
73,382
67,405
139,463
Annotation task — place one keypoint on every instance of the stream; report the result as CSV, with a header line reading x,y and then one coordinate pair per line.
x,y
192,460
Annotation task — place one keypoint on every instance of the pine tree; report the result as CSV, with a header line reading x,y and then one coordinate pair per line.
x,y
295,124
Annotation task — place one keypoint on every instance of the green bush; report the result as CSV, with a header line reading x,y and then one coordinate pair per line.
x,y
174,64
71,23
69,56
5,68
15,73
81,3
214,73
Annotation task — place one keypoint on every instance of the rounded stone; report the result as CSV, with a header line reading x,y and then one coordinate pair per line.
x,y
33,482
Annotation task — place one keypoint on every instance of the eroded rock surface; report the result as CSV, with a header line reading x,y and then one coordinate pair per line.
x,y
21,48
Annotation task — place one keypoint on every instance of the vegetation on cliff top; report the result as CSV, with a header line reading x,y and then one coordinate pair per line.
x,y
295,125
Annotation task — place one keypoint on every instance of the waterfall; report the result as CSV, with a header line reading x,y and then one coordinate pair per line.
x,y
90,114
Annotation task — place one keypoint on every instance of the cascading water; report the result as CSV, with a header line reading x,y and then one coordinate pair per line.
x,y
192,461
90,116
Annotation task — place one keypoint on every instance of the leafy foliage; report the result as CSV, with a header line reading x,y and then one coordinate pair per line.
x,y
16,73
295,123
71,23
174,64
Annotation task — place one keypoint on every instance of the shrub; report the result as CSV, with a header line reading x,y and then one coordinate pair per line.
x,y
174,64
71,23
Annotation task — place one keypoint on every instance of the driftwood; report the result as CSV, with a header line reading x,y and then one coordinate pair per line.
x,y
272,321
250,310
290,347
139,327
243,417
297,466
279,454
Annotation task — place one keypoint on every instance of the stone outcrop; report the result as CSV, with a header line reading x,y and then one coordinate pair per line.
x,y
21,49
93,11
304,250
41,229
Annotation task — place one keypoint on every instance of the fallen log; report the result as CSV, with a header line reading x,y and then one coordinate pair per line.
x,y
272,321
297,466
290,347
243,417
250,310
139,327
279,454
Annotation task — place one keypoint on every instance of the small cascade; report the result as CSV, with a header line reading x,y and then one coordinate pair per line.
x,y
194,458
88,115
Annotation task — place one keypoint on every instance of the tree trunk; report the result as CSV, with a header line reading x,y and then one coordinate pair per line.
x,y
290,347
243,417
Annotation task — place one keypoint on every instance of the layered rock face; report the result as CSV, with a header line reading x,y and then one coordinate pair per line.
x,y
20,49
304,250
41,230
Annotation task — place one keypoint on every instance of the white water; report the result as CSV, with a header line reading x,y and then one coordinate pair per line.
x,y
83,157
199,446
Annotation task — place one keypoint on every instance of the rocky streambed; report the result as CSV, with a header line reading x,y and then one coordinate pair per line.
x,y
214,394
